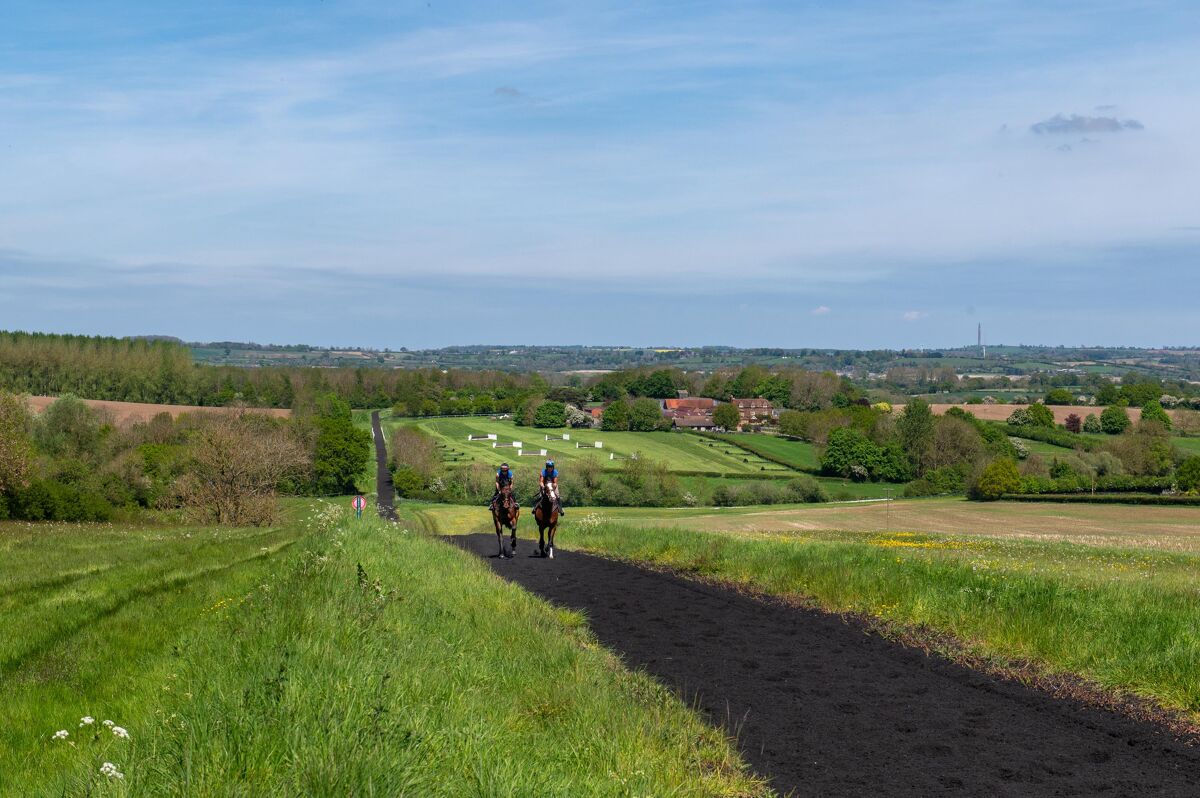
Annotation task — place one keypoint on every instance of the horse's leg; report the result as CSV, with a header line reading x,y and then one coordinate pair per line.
x,y
553,529
514,518
499,542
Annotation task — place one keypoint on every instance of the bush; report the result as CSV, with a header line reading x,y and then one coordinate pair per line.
x,y
998,478
1060,396
727,416
614,493
1073,424
806,489
1091,424
1114,420
550,414
939,482
645,415
341,451
1187,476
1153,411
47,500
616,417
1032,416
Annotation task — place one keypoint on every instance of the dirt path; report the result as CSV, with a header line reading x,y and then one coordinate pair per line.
x,y
823,708
385,491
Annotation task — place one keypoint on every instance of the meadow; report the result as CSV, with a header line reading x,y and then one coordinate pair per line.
x,y
324,656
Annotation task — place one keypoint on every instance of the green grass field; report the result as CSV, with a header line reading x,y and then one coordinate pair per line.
x,y
1117,608
322,657
798,454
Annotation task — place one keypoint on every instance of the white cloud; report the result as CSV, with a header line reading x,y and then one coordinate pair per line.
x,y
914,315
821,310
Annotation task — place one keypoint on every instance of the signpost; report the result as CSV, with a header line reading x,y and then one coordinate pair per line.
x,y
359,503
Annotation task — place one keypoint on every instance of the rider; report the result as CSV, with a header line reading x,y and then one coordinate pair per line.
x,y
549,477
504,476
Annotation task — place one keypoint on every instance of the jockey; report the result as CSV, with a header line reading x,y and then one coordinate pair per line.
x,y
504,476
548,478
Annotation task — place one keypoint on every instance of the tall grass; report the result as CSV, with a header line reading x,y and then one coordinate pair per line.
x,y
366,659
1126,619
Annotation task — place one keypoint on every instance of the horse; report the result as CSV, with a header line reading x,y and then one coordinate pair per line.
x,y
505,513
546,515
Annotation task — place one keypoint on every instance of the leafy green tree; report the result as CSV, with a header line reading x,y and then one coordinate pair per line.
x,y
747,380
1060,396
341,450
793,423
1153,411
550,414
1041,416
645,415
914,428
527,411
997,478
1114,420
850,453
777,388
1091,424
68,428
1109,394
616,417
607,390
727,416
1187,476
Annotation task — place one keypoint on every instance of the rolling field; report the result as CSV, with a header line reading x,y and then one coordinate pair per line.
x,y
128,412
798,454
321,657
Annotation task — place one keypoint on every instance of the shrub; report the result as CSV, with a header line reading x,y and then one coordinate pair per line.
x,y
341,450
616,417
1114,420
550,414
408,482
614,493
645,415
1187,476
939,482
1073,423
727,416
806,489
1153,411
1092,425
997,478
1059,396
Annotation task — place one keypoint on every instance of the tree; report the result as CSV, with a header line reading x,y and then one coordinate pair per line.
x,y
997,478
416,450
68,428
645,415
550,414
607,390
1153,411
616,417
342,449
1187,476
1060,396
793,424
1073,423
1091,424
16,444
1144,450
726,416
1041,416
236,463
914,426
1114,420
954,442
849,453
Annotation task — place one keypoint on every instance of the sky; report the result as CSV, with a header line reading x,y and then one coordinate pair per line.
x,y
421,174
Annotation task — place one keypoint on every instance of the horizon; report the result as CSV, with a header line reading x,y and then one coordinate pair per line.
x,y
865,176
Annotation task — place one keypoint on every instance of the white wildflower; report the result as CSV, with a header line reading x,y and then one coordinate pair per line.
x,y
120,732
61,734
86,720
111,770
108,723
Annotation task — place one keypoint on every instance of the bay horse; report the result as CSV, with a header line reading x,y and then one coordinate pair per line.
x,y
505,513
546,515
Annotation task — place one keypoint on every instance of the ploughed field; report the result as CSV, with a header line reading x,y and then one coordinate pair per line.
x,y
127,412
323,656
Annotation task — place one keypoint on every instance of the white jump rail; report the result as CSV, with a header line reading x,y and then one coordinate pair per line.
x,y
596,445
564,437
513,445
531,453
472,438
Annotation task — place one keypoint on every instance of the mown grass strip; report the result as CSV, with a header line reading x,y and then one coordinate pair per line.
x,y
1126,620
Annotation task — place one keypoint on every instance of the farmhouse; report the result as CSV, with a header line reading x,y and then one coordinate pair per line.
x,y
698,403
754,409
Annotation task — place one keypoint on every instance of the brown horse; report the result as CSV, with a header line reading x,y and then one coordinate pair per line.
x,y
505,513
545,512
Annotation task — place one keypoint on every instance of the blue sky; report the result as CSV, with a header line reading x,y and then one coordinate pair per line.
x,y
855,174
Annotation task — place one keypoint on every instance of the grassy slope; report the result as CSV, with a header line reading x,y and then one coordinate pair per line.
x,y
261,671
1123,618
798,454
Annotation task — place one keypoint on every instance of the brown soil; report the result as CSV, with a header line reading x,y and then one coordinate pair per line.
x,y
123,413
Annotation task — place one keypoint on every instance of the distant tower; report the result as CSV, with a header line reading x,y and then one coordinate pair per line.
x,y
979,341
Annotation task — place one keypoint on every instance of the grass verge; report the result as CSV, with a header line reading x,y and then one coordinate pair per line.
x,y
365,659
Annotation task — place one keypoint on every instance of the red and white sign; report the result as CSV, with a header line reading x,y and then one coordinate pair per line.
x,y
359,502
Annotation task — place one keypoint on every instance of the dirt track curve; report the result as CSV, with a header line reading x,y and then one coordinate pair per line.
x,y
385,491
823,708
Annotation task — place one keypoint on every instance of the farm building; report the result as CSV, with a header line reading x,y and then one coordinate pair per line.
x,y
754,409
700,403
704,423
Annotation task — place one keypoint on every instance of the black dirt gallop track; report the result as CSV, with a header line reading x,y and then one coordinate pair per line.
x,y
385,491
821,707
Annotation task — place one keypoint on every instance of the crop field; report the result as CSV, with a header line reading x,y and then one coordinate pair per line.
x,y
325,656
128,412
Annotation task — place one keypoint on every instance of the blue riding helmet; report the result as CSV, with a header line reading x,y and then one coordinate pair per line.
x,y
549,464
